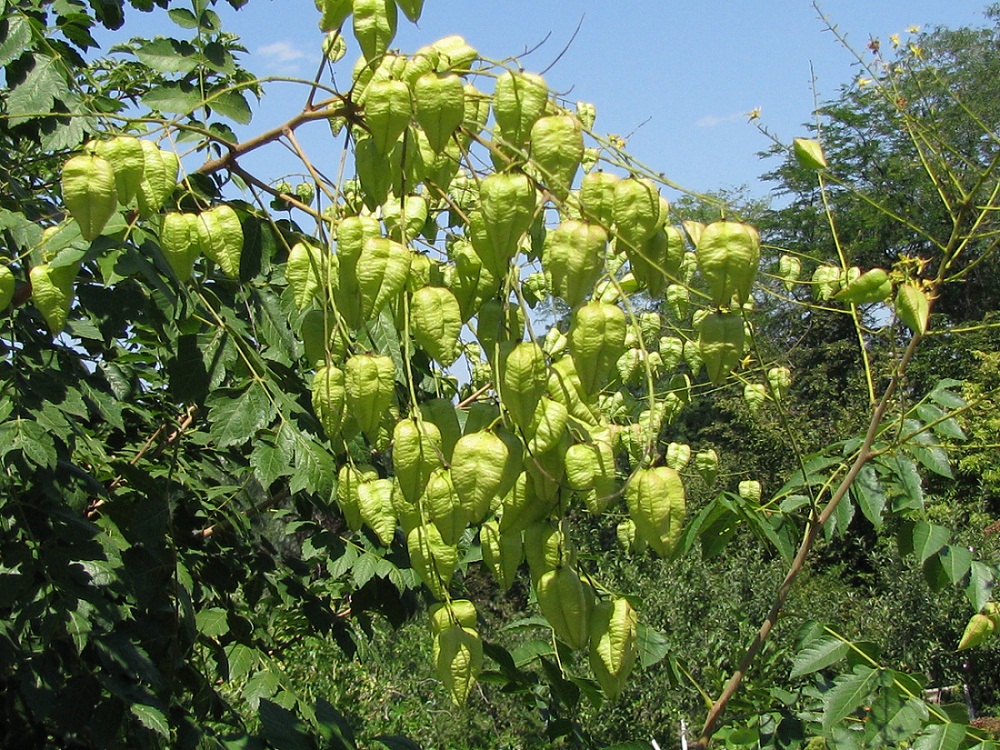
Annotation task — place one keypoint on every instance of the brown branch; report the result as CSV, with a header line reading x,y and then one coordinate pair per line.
x,y
210,531
323,112
798,563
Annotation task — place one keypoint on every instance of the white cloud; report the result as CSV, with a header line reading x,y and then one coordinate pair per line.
x,y
710,121
282,54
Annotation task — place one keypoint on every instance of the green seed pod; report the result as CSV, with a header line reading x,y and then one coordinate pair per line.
x,y
328,399
404,218
370,389
638,212
519,100
507,202
590,471
159,178
503,553
524,505
871,286
721,343
470,282
375,504
352,234
692,356
52,292
477,113
826,282
706,461
179,243
407,513
454,53
573,257
523,381
566,387
374,26
308,272
477,470
566,602
411,9
435,322
497,325
432,559
979,629
547,547
596,341
335,12
89,192
453,612
459,661
755,394
349,478
749,490
439,103
125,155
443,507
388,110
678,456
809,154
548,426
614,644
597,198
416,452
656,503
671,351
557,149
6,287
657,260
913,308
629,538
728,254
382,272
789,270
220,238
441,412
780,380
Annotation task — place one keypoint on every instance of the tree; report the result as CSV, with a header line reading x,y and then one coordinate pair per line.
x,y
224,430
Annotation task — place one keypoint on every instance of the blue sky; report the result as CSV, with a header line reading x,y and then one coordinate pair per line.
x,y
680,77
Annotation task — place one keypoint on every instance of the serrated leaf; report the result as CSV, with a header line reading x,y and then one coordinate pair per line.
x,y
893,719
365,568
870,498
232,104
941,737
16,40
212,622
167,56
848,693
819,654
173,98
35,96
236,420
151,718
946,427
242,659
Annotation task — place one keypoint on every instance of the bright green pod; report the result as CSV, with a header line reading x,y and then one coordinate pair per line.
x,y
706,462
124,153
308,272
507,204
657,260
443,506
159,178
519,100
678,456
411,9
388,110
382,272
459,661
179,243
720,340
749,490
596,341
573,257
548,426
349,478
375,24
470,282
503,553
477,472
416,452
433,560
6,287
442,413
728,254
566,602
523,381
352,234
334,13
89,192
370,389
436,322
638,212
557,150
328,399
597,198
52,292
789,270
439,105
872,286
614,644
913,308
375,504
452,612
220,238
656,503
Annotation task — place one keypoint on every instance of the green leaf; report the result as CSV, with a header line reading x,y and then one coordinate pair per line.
x,y
334,728
946,427
212,622
242,659
819,654
870,497
956,562
31,439
941,737
928,538
273,460
397,742
167,56
653,645
151,718
15,39
849,692
183,18
232,104
893,718
236,420
364,569
37,94
981,585
283,729
174,97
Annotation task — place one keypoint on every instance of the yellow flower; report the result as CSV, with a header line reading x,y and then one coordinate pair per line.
x,y
894,38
